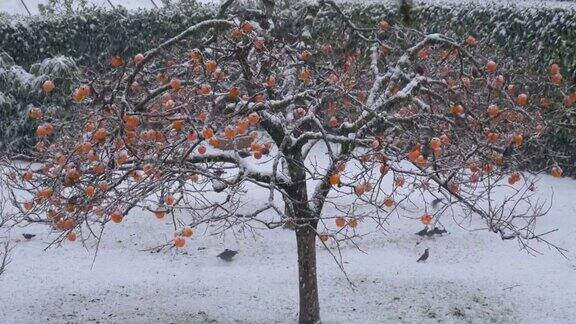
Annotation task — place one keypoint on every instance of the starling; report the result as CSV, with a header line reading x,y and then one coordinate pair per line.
x,y
423,232
436,202
436,230
430,233
217,184
28,236
227,255
424,256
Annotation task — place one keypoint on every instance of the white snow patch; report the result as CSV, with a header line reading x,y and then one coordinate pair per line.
x,y
470,276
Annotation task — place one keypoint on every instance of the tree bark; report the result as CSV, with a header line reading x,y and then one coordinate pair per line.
x,y
308,283
305,223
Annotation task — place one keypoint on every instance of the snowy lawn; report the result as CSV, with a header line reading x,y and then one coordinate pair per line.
x,y
470,276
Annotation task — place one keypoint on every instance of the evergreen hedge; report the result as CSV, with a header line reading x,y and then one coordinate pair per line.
x,y
91,36
21,90
548,33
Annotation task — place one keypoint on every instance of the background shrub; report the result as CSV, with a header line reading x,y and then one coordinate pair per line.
x,y
547,33
21,90
91,36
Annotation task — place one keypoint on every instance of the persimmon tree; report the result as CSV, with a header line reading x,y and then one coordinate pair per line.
x,y
246,99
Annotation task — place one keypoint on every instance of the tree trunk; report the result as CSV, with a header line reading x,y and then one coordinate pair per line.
x,y
309,303
305,223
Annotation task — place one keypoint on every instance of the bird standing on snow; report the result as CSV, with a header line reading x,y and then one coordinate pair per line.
x,y
217,184
28,236
436,230
436,202
424,256
423,232
227,255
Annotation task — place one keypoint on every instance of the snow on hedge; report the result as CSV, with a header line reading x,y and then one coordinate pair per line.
x,y
548,27
20,90
15,7
92,36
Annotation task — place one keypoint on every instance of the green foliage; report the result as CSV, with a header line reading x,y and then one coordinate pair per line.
x,y
92,35
175,4
21,90
560,139
547,33
62,6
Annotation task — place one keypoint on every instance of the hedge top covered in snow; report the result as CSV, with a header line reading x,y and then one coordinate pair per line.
x,y
16,7
91,35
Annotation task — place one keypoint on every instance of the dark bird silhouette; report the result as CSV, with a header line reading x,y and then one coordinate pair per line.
x,y
218,184
431,232
438,231
436,202
424,256
227,255
423,232
28,236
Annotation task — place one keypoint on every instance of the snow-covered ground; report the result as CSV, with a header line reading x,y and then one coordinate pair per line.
x,y
16,6
471,276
